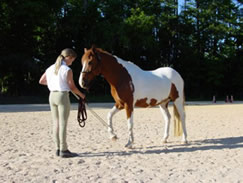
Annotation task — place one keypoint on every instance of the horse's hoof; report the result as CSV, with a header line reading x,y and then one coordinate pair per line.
x,y
128,146
114,138
164,141
184,142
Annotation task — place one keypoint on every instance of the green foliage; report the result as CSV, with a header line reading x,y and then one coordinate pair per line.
x,y
203,41
139,21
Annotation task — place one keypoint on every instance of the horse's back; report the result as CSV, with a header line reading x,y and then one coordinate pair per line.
x,y
172,75
168,72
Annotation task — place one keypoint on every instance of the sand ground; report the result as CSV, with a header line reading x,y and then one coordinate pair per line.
x,y
214,152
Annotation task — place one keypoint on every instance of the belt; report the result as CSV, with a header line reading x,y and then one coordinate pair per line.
x,y
59,91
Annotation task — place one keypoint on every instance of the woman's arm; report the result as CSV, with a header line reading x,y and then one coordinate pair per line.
x,y
72,85
43,80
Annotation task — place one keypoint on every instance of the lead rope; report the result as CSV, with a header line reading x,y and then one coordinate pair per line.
x,y
82,114
97,116
82,110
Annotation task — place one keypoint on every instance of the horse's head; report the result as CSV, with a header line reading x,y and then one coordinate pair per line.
x,y
91,62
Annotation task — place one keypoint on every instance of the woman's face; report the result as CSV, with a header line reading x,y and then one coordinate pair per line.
x,y
69,60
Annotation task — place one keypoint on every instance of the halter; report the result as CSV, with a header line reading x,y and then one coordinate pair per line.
x,y
99,61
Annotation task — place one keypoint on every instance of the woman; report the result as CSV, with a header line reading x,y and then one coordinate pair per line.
x,y
59,79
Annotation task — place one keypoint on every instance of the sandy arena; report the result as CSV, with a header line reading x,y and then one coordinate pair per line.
x,y
214,152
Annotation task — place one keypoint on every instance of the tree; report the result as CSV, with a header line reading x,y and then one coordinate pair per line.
x,y
26,27
214,25
203,41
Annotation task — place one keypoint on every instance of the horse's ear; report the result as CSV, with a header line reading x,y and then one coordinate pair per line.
x,y
96,52
85,50
93,48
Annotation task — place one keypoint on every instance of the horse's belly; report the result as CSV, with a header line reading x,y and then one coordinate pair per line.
x,y
151,92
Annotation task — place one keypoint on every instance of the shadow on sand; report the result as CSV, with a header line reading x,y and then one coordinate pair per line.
x,y
201,145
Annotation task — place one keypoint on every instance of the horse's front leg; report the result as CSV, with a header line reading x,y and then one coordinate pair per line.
x,y
129,112
113,111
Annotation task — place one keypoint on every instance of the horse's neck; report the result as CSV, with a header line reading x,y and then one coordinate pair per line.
x,y
113,71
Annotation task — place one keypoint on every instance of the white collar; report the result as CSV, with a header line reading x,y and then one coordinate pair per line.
x,y
64,63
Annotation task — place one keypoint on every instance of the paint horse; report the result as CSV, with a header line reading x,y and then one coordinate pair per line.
x,y
133,87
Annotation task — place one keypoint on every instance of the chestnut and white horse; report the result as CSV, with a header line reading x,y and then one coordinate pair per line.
x,y
132,86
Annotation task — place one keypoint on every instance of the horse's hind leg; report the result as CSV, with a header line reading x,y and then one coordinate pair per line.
x,y
165,112
113,111
179,103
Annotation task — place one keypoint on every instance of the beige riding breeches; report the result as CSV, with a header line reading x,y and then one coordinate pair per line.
x,y
60,109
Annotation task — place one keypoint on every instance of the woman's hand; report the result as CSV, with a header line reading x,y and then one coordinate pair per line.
x,y
72,85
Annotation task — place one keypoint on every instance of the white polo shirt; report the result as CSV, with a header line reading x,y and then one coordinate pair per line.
x,y
57,82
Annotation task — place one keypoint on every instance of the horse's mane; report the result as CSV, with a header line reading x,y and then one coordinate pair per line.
x,y
125,61
103,51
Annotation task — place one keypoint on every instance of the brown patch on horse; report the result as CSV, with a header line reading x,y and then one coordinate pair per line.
x,y
173,95
143,102
122,87
173,92
153,102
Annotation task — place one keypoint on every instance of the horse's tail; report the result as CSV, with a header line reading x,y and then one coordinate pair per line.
x,y
177,119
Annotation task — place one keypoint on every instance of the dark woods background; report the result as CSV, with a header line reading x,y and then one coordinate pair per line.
x,y
201,39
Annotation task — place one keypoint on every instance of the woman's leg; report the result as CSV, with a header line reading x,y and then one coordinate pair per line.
x,y
55,120
63,111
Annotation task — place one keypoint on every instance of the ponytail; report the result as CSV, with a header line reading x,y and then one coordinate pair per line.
x,y
65,53
58,63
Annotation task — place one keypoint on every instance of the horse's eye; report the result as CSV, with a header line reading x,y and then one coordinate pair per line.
x,y
90,63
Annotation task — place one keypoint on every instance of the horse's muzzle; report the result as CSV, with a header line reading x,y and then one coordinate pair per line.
x,y
84,84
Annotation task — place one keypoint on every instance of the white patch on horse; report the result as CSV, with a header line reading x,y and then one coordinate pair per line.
x,y
147,84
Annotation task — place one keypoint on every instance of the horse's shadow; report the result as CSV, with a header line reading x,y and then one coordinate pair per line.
x,y
200,145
